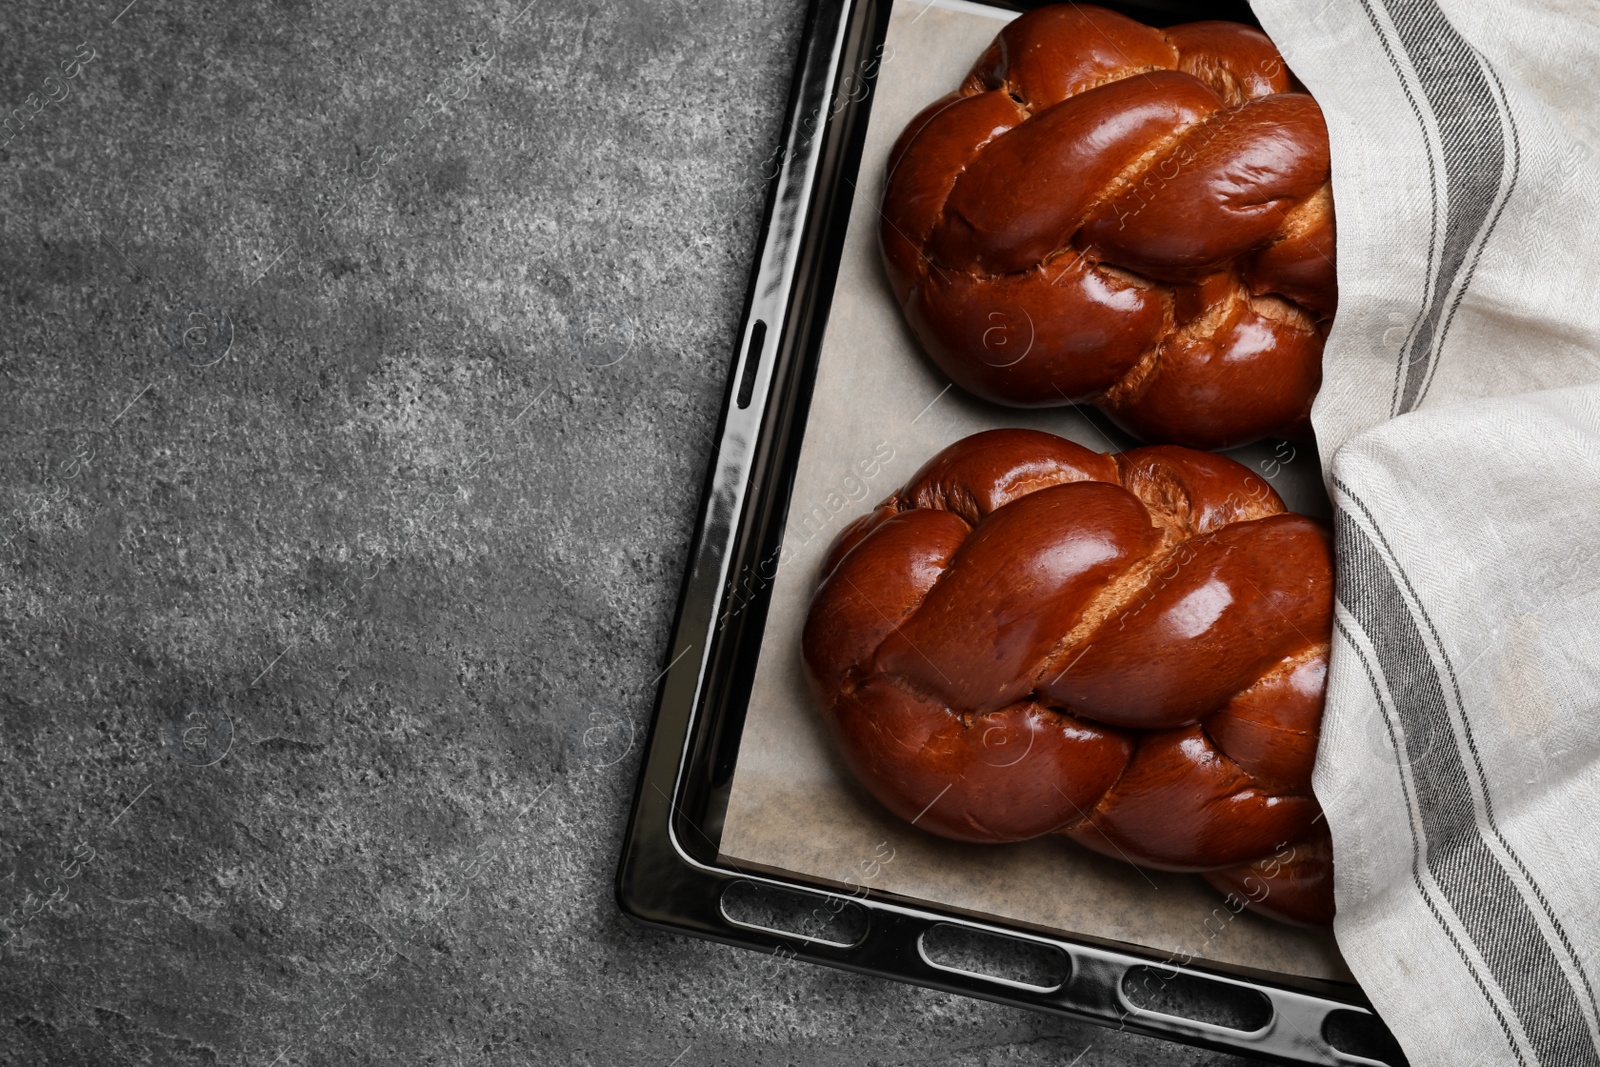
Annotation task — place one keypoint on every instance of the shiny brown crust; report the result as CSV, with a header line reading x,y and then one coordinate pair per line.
x,y
1135,218
1032,638
1293,885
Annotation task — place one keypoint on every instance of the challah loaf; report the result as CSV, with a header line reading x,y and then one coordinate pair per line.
x,y
1136,218
1031,637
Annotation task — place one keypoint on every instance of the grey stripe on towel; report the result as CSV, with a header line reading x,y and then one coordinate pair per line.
x,y
1475,884
1474,127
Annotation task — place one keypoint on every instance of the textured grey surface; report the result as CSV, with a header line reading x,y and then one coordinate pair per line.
x,y
359,364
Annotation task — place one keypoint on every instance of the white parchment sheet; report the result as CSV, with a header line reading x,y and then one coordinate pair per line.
x,y
879,411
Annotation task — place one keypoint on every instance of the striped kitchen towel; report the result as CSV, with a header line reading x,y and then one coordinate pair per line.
x,y
1459,428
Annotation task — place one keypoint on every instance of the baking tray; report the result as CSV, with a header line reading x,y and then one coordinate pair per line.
x,y
672,874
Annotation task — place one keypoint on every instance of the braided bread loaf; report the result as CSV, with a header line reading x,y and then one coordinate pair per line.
x,y
1032,638
1137,218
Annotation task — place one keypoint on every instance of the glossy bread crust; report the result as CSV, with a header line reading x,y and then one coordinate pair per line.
x,y
1031,637
1137,218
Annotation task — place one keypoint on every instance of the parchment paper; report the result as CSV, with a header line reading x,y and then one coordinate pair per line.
x,y
879,411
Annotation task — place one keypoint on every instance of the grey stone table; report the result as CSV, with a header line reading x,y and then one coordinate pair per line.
x,y
359,364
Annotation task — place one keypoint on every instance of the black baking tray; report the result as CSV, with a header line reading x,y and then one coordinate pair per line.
x,y
670,875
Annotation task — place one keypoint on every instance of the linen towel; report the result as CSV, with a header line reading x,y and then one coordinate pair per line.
x,y
1459,433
